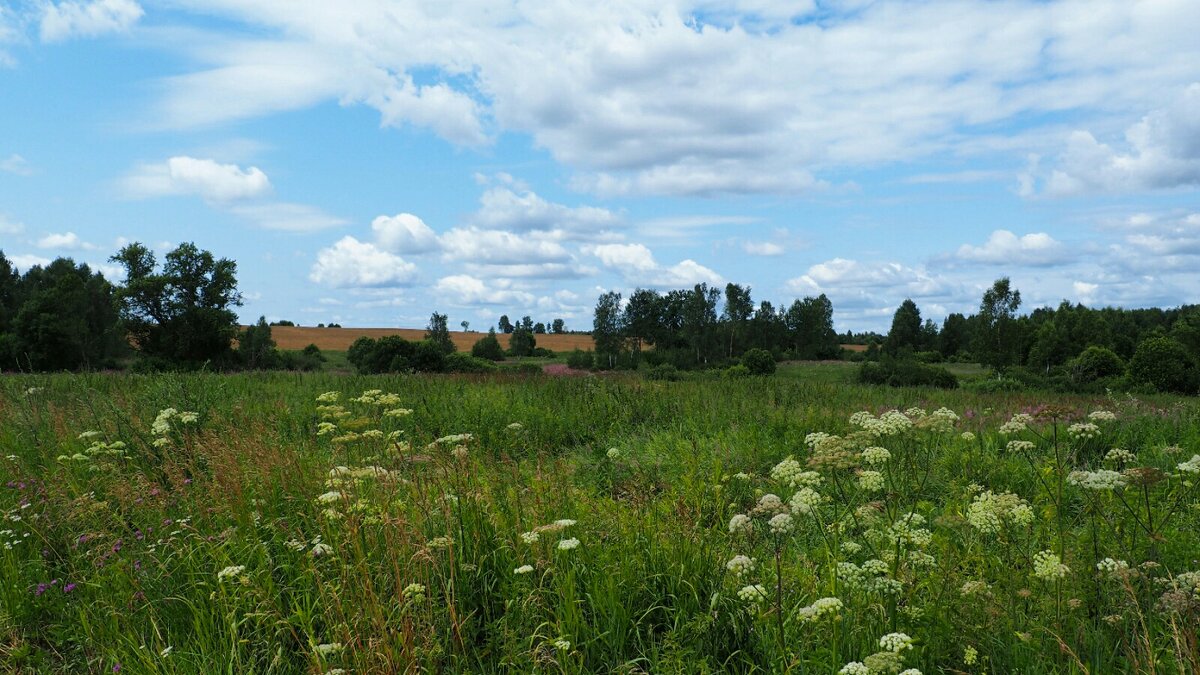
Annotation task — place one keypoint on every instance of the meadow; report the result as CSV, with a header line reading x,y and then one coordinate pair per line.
x,y
331,523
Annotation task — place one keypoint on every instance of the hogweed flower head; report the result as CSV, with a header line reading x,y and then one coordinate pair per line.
x,y
820,609
568,544
876,455
895,642
1101,479
753,593
1047,566
740,565
855,668
740,524
781,523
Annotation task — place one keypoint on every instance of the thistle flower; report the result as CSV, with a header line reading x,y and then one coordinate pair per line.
x,y
740,565
752,593
895,642
1047,566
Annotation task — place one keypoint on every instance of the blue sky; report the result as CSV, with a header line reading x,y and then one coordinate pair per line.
x,y
371,161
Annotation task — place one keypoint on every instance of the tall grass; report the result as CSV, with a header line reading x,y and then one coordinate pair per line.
x,y
254,539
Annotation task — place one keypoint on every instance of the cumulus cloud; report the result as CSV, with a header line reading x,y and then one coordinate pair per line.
x,y
701,98
763,248
204,178
464,289
628,258
1005,248
499,247
404,233
353,263
503,208
636,263
1161,151
64,241
9,226
24,261
15,164
64,20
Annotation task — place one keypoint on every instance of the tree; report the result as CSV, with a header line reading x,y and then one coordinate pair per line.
x,y
558,327
67,319
738,308
810,321
438,332
954,336
699,320
1164,364
642,317
466,326
997,311
522,342
181,314
488,347
504,324
905,335
257,347
607,327
539,328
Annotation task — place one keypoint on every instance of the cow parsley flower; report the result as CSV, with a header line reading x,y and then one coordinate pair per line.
x,y
1112,567
895,642
753,593
740,523
515,426
562,644
1119,456
613,453
320,549
1083,430
876,455
855,668
870,481
1101,479
989,512
1101,416
530,537
1047,566
568,544
230,572
769,504
967,436
329,397
781,523
523,569
970,655
329,497
805,501
1019,446
740,565
820,609
328,649
414,592
1190,466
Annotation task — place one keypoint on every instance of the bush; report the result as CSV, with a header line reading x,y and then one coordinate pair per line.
x,y
736,372
664,372
542,353
430,357
929,357
308,359
1095,363
1162,363
994,385
580,360
522,368
521,343
758,362
906,373
459,362
488,347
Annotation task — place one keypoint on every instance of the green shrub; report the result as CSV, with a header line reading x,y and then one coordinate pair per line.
x,y
1095,363
542,353
994,385
1162,363
663,372
488,347
736,372
929,357
459,362
580,360
758,362
906,373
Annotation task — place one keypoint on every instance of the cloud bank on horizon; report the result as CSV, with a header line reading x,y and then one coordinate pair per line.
x,y
370,161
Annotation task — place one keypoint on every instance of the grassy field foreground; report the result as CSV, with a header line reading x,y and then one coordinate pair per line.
x,y
340,524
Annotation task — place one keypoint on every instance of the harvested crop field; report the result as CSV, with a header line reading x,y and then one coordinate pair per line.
x,y
340,339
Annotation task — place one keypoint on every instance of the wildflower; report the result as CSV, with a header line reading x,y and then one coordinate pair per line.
x,y
1047,566
1119,456
973,587
967,436
970,655
440,542
88,435
875,455
1083,430
613,453
895,642
753,593
563,523
884,662
319,549
188,417
740,565
740,523
820,609
1190,466
1019,446
562,645
328,648
397,412
817,437
568,544
453,439
781,524
68,588
523,569
530,537
515,426
850,547
854,668
230,572
910,671
1112,567
989,512
1102,479
1101,416
329,397
870,481
459,452
769,504
329,497
414,592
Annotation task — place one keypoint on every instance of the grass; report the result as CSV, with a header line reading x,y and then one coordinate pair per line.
x,y
277,533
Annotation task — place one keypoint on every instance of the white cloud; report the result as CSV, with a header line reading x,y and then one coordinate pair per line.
x,y
763,248
636,263
498,247
15,164
286,216
24,262
1163,151
64,241
1005,248
689,273
8,226
501,208
404,233
64,20
463,289
703,97
204,178
628,258
352,263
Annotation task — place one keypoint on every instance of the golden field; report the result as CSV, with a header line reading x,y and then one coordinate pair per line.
x,y
340,339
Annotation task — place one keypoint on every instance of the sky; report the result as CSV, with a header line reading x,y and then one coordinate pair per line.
x,y
368,162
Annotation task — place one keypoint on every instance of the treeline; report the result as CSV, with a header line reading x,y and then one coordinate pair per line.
x,y
438,354
1070,347
683,328
177,316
